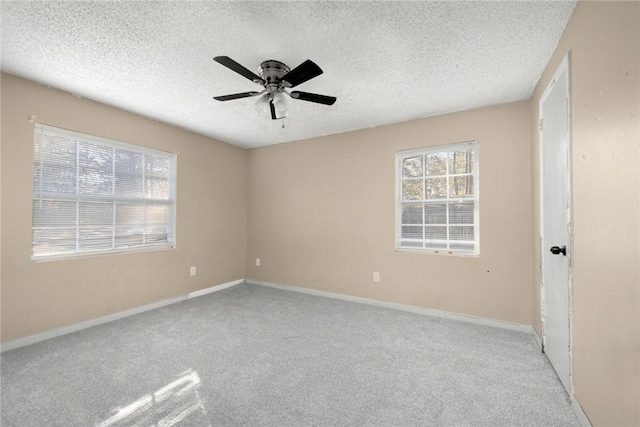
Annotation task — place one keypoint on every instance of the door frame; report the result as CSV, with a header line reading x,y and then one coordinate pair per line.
x,y
565,65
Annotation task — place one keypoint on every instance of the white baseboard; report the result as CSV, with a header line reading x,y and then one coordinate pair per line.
x,y
215,288
409,308
536,338
577,409
42,336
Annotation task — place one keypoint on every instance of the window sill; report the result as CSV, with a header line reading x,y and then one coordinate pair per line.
x,y
63,257
436,252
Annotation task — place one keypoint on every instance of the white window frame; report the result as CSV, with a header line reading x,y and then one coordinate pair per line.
x,y
40,195
400,156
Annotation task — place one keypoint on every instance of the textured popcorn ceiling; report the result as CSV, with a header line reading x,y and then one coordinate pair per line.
x,y
386,62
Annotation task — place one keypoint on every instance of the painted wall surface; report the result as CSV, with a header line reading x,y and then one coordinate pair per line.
x,y
322,216
211,224
603,38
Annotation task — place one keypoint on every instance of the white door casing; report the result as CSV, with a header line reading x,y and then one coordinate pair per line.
x,y
555,222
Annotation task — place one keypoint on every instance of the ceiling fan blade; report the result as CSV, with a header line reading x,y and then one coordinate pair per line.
x,y
313,97
233,65
303,72
235,96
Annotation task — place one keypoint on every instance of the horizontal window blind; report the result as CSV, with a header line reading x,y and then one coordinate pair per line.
x,y
438,199
92,195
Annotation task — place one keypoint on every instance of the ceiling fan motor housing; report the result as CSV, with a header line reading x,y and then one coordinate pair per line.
x,y
272,71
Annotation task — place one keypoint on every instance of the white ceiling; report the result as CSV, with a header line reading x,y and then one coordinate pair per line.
x,y
386,62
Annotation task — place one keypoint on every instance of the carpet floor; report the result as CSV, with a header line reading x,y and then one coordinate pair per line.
x,y
257,356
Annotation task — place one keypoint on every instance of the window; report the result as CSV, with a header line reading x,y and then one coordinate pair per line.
x,y
437,202
92,195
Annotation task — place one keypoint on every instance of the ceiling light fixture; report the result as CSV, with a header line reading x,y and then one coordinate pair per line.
x,y
276,77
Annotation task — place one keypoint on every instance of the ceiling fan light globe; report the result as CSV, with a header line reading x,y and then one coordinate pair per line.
x,y
281,104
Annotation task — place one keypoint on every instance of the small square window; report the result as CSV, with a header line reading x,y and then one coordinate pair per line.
x,y
437,200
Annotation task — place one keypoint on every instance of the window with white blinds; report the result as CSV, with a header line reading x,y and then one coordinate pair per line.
x,y
437,199
92,195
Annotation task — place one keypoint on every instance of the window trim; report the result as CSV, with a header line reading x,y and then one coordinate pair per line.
x,y
400,156
173,165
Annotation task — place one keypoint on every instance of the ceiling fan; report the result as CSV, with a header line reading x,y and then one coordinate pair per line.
x,y
276,77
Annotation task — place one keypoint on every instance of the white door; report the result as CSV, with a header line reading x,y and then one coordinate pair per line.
x,y
556,223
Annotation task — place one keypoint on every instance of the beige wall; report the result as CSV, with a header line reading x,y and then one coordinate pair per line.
x,y
322,216
603,38
211,225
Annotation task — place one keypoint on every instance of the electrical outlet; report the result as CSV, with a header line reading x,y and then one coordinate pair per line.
x,y
257,262
192,270
376,276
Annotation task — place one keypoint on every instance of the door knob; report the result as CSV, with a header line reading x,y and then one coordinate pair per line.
x,y
559,250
